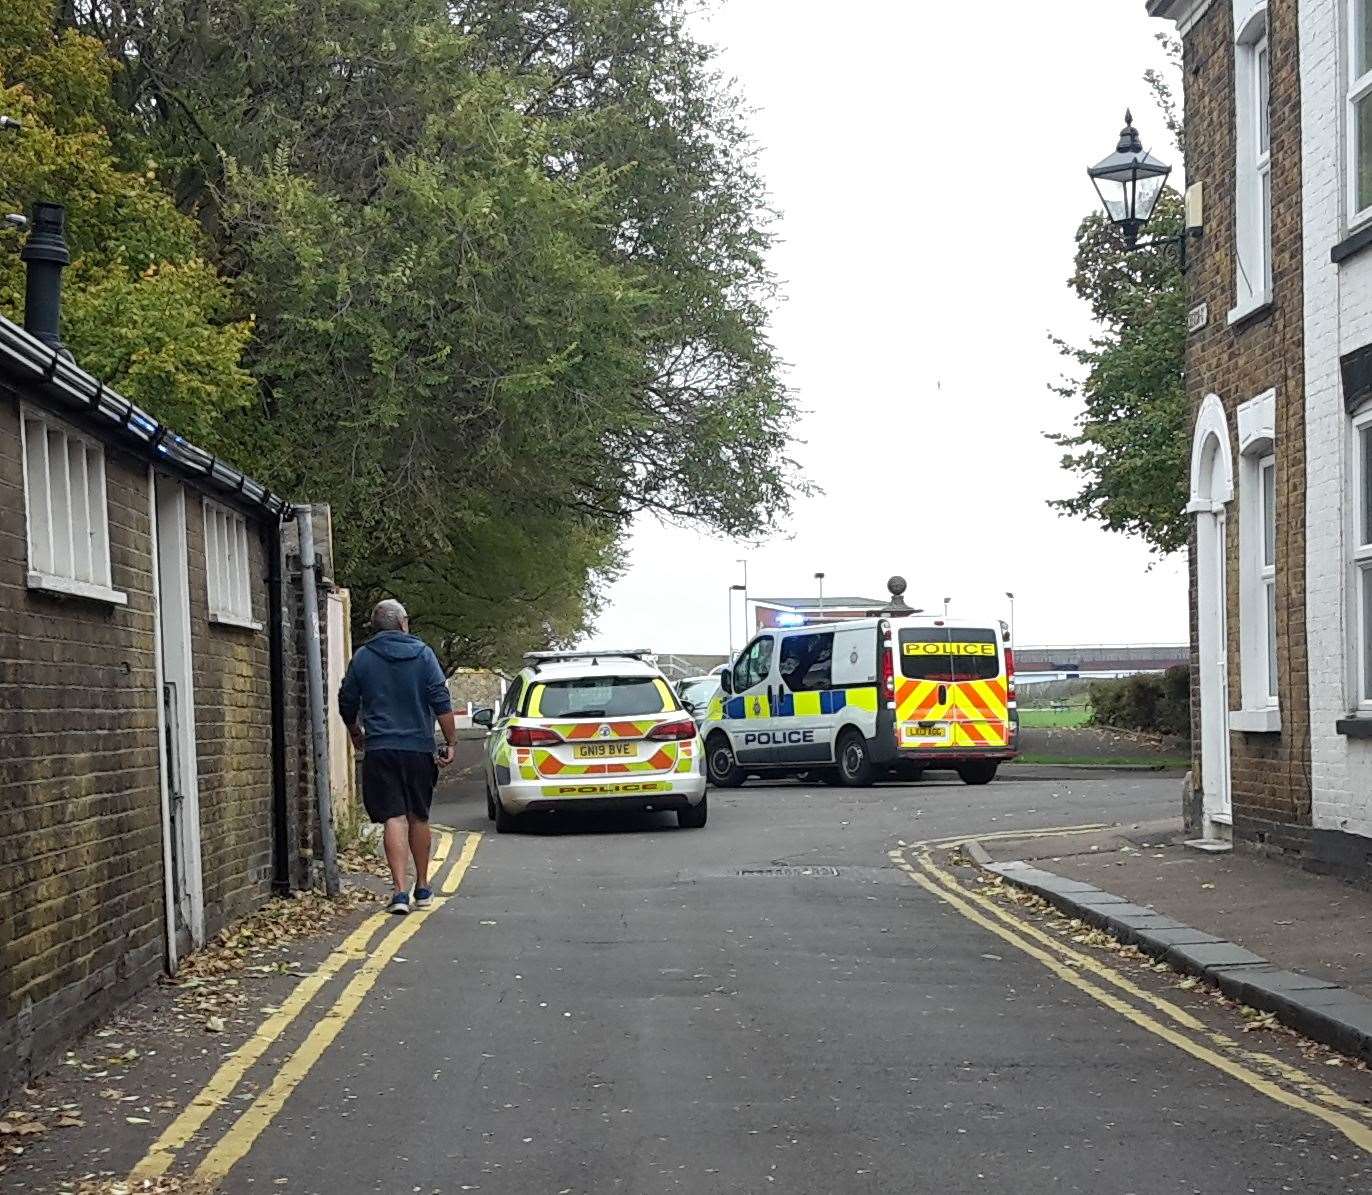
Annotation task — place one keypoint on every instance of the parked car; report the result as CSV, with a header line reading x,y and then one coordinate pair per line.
x,y
696,693
591,731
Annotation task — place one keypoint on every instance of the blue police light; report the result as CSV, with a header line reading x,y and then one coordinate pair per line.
x,y
790,620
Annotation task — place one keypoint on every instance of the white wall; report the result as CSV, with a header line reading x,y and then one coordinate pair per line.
x,y
1338,318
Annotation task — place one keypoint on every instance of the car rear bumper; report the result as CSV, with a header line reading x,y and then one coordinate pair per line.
x,y
676,791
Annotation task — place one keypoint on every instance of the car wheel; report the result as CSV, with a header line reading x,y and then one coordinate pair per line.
x,y
854,764
723,767
490,805
978,773
693,816
505,821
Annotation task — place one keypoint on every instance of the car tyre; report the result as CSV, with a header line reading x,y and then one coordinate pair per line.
x,y
981,772
693,816
490,804
721,763
854,763
505,821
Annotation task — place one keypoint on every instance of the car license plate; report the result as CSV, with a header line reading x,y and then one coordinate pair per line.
x,y
925,732
604,751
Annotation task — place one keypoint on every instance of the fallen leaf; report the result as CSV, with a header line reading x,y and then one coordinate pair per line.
x,y
214,1025
137,1120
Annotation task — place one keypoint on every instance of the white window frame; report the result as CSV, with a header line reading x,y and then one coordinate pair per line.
x,y
228,567
1252,167
1258,653
66,509
1357,89
1360,562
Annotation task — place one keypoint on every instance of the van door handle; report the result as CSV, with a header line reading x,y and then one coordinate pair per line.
x,y
943,694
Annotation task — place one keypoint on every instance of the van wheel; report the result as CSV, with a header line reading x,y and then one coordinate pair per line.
x,y
854,764
693,816
505,821
978,773
723,767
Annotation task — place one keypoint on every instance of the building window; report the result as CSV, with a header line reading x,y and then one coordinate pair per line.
x,y
1362,551
65,505
1253,167
1267,470
227,575
1359,116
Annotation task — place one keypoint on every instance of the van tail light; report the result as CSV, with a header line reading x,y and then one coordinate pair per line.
x,y
1010,675
888,671
676,730
533,736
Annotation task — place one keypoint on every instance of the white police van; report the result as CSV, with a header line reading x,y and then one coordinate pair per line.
x,y
864,698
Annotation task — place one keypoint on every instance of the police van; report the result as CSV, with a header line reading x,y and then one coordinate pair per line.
x,y
862,699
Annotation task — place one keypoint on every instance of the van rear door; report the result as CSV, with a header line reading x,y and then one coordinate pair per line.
x,y
951,691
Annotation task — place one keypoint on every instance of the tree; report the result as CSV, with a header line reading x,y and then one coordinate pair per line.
x,y
1129,446
507,267
143,309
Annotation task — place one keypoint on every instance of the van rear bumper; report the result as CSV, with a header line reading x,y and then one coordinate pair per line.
x,y
950,759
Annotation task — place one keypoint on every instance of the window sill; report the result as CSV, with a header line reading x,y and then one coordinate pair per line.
x,y
1351,245
221,619
1355,728
1250,312
1263,721
67,587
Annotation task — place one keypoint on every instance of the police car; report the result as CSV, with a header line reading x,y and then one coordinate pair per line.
x,y
591,731
861,699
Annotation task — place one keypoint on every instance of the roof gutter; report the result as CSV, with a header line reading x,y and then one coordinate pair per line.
x,y
25,358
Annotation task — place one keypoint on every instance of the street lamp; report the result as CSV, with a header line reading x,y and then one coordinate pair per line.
x,y
819,577
945,606
732,590
1011,596
1130,182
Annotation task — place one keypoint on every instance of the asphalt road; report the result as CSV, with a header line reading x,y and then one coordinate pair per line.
x,y
765,1004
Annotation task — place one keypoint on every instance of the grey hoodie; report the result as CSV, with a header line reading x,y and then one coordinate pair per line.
x,y
395,682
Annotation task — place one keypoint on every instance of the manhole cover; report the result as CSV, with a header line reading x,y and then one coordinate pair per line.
x,y
804,872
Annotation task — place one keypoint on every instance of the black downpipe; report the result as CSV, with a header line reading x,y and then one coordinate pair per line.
x,y
281,822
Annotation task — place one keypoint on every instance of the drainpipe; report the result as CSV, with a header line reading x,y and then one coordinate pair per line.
x,y
314,672
46,255
276,640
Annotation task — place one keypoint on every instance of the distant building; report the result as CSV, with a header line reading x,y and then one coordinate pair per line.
x,y
792,611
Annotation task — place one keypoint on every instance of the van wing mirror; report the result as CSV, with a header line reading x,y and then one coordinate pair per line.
x,y
726,680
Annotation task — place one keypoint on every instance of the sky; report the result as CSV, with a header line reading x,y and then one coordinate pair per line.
x,y
929,161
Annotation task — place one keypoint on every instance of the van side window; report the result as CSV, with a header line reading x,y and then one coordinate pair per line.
x,y
807,662
754,664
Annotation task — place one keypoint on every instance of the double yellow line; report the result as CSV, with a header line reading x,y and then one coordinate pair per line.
x,y
1268,1076
249,1125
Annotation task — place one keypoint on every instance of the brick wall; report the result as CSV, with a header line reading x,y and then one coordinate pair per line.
x,y
1270,772
232,737
80,799
1338,312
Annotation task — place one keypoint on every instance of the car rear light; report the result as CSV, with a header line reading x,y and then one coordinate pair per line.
x,y
678,729
533,736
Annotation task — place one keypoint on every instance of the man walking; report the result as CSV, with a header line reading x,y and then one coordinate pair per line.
x,y
393,691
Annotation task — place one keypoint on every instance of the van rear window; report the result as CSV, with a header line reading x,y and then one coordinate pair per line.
x,y
599,697
948,654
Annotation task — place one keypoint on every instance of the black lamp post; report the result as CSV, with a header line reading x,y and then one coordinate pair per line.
x,y
1129,183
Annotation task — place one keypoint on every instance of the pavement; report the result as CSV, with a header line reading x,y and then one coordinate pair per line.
x,y
801,996
1275,936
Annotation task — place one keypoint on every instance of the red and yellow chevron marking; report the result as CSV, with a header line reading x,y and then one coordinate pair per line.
x,y
664,759
976,710
577,732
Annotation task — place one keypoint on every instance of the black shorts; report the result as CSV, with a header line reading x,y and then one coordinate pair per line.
x,y
396,783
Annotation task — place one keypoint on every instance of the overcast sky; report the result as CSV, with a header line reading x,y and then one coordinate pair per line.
x,y
929,162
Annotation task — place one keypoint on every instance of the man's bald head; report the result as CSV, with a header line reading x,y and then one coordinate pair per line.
x,y
390,615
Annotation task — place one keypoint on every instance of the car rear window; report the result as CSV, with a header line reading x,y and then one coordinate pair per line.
x,y
700,692
949,653
599,697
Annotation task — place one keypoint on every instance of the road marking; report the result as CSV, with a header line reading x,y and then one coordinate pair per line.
x,y
222,1083
959,900
445,840
250,1125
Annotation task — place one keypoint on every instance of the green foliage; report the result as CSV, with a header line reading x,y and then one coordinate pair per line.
x,y
1154,704
1129,447
506,263
143,311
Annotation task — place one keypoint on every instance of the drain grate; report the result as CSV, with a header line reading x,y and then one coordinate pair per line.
x,y
797,872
